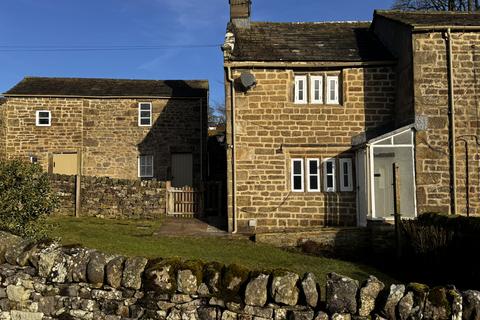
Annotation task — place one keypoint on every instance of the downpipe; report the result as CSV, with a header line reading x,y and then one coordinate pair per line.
x,y
451,112
234,164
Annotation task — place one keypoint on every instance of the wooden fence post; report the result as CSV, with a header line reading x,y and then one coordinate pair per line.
x,y
396,208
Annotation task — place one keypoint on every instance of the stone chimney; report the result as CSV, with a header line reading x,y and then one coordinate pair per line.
x,y
240,12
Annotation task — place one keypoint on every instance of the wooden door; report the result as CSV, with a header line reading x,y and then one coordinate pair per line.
x,y
65,163
182,170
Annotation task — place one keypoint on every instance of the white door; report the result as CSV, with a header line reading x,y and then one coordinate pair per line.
x,y
182,169
383,184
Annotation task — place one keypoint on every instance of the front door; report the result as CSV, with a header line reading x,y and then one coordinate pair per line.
x,y
65,163
383,184
182,170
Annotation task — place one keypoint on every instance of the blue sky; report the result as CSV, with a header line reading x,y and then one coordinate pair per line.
x,y
173,25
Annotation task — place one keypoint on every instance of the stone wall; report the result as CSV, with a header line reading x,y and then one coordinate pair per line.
x,y
107,133
46,281
271,130
431,101
112,198
2,130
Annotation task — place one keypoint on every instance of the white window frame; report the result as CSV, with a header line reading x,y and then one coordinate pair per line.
x,y
310,174
37,118
292,175
299,79
349,186
312,89
326,188
337,90
140,157
140,114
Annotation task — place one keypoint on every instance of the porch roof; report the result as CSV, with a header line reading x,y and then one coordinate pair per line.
x,y
369,137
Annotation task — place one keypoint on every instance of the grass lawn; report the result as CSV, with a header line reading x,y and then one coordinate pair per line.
x,y
135,238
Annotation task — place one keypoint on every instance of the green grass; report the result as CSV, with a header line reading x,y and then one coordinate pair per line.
x,y
135,238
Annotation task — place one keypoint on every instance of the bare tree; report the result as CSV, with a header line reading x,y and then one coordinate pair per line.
x,y
216,114
437,5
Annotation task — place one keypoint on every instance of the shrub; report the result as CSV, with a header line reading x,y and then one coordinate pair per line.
x,y
26,199
440,248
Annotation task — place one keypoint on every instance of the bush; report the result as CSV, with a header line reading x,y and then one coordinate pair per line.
x,y
26,199
440,248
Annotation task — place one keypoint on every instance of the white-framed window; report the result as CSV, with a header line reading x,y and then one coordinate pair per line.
x,y
332,90
43,118
316,89
313,175
346,175
144,114
329,175
297,175
145,166
301,89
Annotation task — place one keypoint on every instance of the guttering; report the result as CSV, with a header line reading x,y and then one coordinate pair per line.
x,y
451,112
444,28
303,64
234,165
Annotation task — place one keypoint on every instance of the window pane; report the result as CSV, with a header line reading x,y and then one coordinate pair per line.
x,y
145,121
329,167
145,107
330,181
297,183
43,121
313,167
145,114
404,138
313,183
332,90
43,114
345,180
297,167
317,89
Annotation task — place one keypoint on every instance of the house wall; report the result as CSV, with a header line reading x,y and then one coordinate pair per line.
x,y
398,39
271,130
107,133
431,101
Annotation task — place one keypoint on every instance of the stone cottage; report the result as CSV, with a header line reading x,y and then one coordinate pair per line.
x,y
319,113
124,129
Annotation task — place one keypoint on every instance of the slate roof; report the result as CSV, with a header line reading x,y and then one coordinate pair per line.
x,y
328,41
429,18
95,87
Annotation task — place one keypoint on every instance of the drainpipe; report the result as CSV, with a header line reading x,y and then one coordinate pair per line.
x,y
234,165
451,112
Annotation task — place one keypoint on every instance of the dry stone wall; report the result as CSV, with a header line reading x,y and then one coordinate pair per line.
x,y
111,198
46,281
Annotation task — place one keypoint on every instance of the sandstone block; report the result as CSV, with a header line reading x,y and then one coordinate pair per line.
x,y
132,272
341,294
284,288
256,291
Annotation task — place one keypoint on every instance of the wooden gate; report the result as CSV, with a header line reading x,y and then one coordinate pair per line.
x,y
190,201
